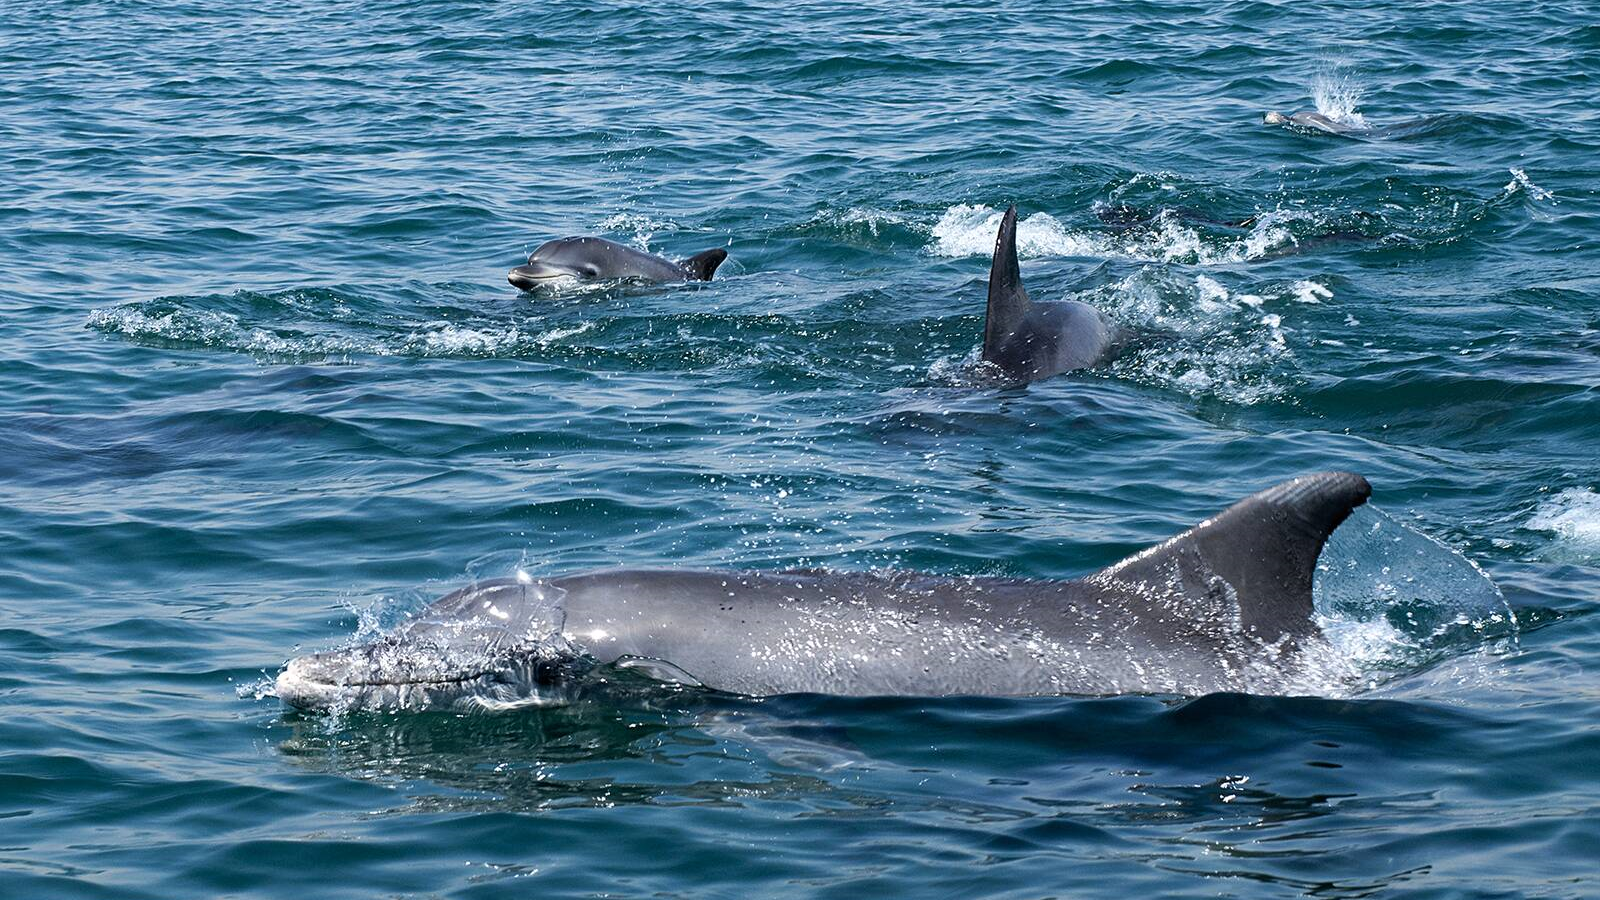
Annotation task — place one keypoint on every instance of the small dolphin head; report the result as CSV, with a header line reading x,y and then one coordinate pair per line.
x,y
491,645
1275,118
564,258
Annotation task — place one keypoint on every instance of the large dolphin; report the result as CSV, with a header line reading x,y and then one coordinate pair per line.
x,y
597,259
1225,605
1029,340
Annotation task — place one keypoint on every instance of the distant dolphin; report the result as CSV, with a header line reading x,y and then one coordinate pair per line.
x,y
1316,121
597,259
1030,340
1225,605
1312,120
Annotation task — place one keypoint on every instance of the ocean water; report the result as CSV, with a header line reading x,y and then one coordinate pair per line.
x,y
262,381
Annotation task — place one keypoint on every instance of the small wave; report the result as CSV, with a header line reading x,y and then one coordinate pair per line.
x,y
444,339
1310,292
317,331
1391,600
874,228
873,220
1374,565
212,328
1521,182
1573,516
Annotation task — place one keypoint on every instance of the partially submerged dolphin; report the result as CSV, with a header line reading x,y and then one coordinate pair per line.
x,y
1225,605
1029,340
597,259
1316,121
1312,120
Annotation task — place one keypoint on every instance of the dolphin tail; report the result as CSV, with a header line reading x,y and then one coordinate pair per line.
x,y
1264,547
702,266
1008,299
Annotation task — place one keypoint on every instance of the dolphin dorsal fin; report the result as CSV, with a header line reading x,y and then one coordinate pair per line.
x,y
702,266
1265,547
1008,299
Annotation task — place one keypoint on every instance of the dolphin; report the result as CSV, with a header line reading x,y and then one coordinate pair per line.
x,y
597,259
1225,605
1029,340
1316,121
1312,120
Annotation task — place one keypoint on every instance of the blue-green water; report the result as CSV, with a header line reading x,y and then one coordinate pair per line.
x,y
261,375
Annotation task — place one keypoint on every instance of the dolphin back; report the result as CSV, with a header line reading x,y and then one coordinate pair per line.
x,y
1028,340
1263,548
702,266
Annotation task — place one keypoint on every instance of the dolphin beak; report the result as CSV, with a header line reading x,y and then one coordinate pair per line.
x,y
312,682
530,276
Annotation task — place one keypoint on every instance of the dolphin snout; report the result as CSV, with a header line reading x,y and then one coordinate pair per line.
x,y
530,276
312,682
523,278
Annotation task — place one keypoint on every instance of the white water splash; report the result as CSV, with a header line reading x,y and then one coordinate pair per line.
x,y
209,328
263,688
1214,341
1310,292
969,230
1210,295
1521,182
1573,516
641,226
224,330
444,339
1336,94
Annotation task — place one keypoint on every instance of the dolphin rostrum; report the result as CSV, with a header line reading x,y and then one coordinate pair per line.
x,y
597,259
1225,605
1029,340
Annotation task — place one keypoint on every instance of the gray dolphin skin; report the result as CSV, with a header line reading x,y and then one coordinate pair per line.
x,y
1029,340
1312,120
1315,121
597,259
1225,605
